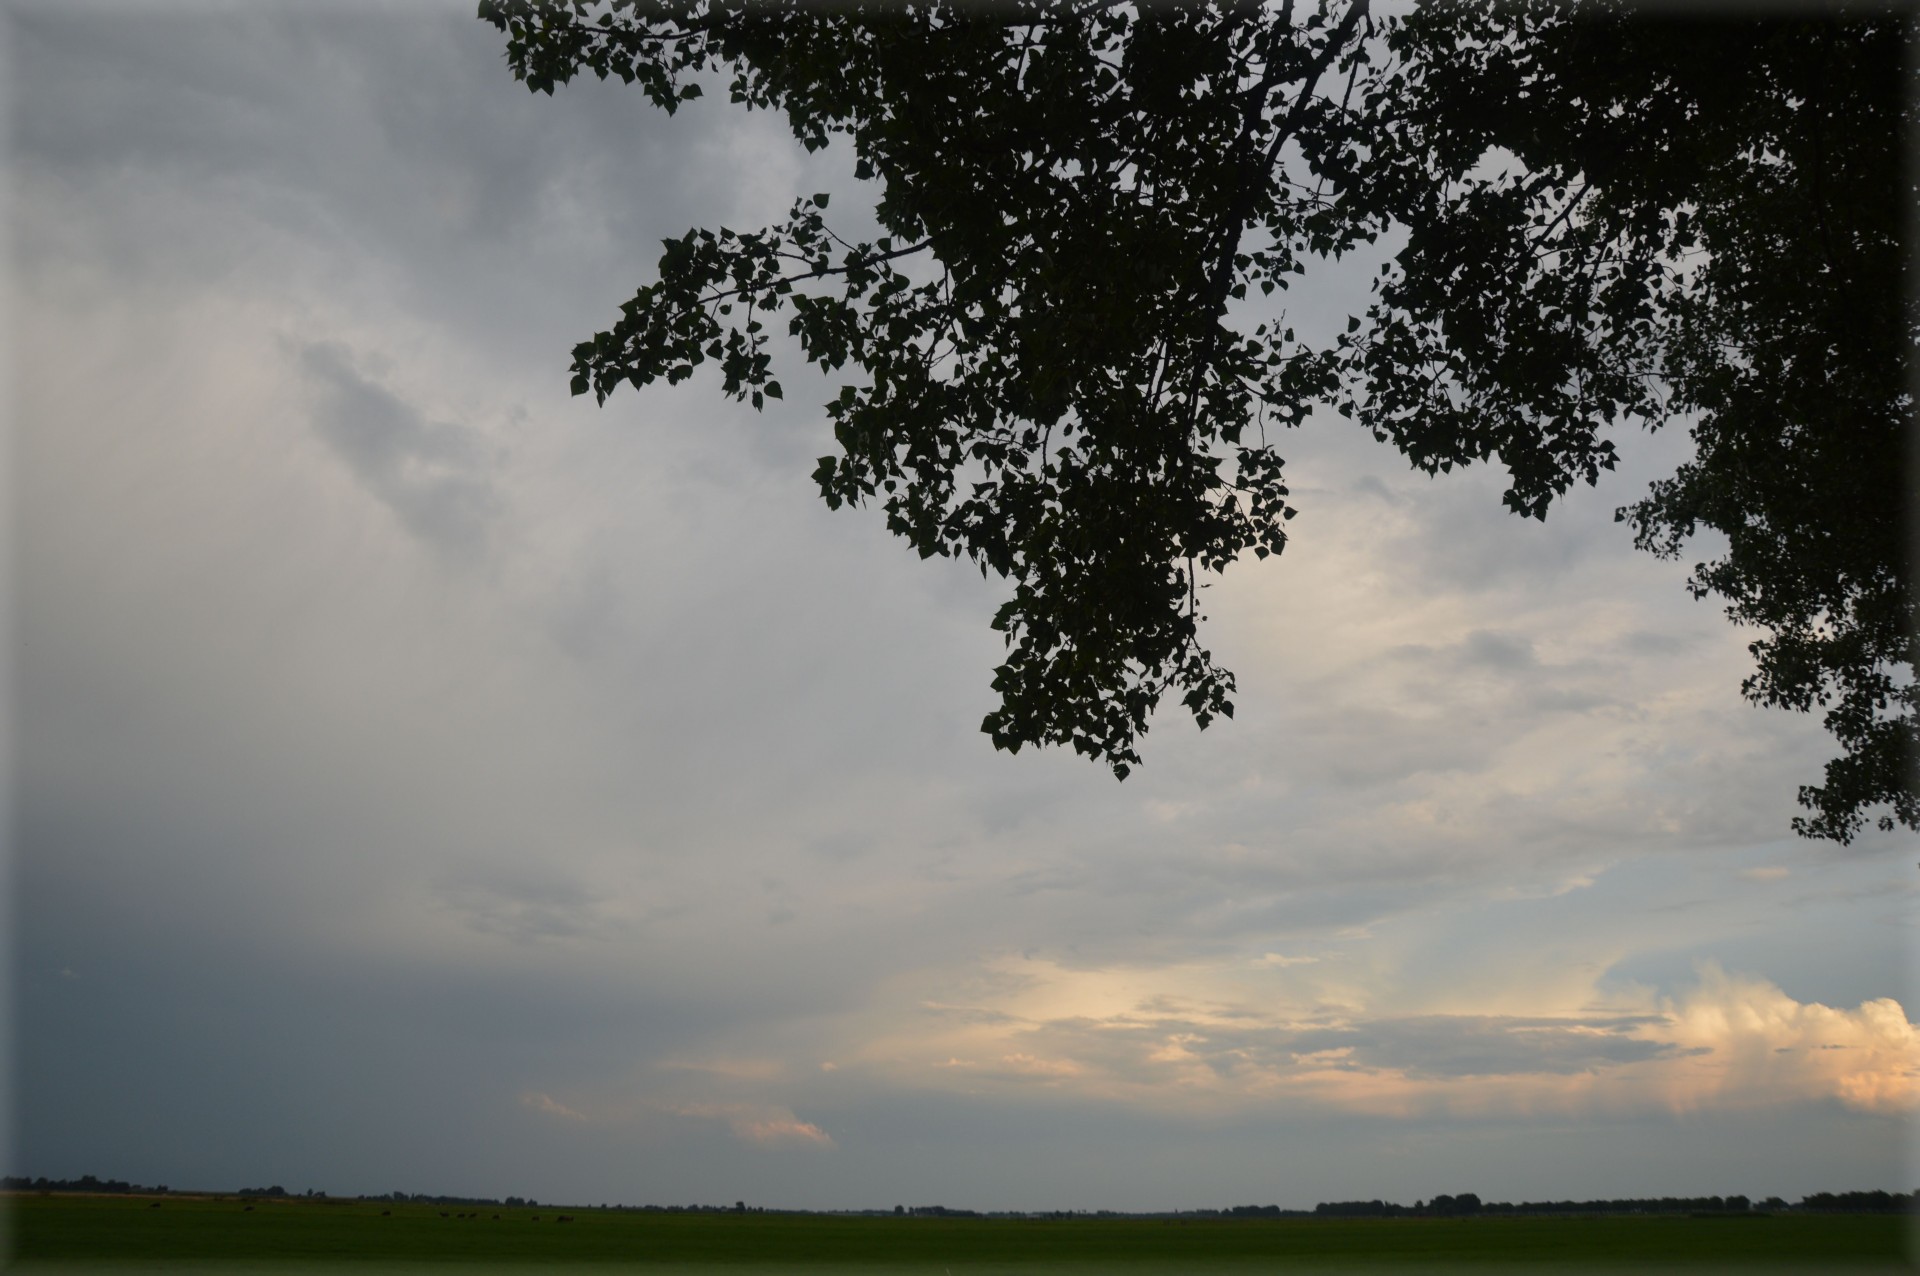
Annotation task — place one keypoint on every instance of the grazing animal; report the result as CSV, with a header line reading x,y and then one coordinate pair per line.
x,y
564,1218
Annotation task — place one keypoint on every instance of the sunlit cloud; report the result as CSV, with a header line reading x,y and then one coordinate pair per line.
x,y
1764,1047
1724,1043
761,1124
781,1130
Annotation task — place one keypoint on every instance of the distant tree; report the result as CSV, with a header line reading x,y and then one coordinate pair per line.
x,y
1612,217
1358,1209
1874,1202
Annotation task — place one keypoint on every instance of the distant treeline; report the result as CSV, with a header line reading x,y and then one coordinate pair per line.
x,y
1468,1203
1463,1205
1861,1202
85,1183
421,1198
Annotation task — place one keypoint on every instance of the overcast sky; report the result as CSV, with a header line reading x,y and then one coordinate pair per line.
x,y
429,781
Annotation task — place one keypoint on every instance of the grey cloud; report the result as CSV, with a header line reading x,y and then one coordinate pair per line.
x,y
1500,650
383,155
1496,650
430,474
1490,1045
1567,700
1370,485
1652,643
1423,1046
1369,747
969,1014
528,909
1466,541
842,845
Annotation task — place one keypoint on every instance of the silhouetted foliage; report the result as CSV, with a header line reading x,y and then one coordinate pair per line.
x,y
1705,218
1611,218
85,1183
1862,1202
1359,1209
1465,1203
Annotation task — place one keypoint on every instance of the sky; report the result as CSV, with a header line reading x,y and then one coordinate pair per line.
x,y
424,780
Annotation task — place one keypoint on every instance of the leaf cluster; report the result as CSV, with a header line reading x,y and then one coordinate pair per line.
x,y
1612,218
1048,385
1700,218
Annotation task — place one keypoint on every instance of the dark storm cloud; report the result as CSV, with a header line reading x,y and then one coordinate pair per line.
x,y
410,164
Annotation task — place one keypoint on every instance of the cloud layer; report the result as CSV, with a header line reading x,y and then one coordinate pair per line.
x,y
428,780
1722,1042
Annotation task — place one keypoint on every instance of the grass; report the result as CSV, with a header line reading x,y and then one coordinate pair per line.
x,y
67,1233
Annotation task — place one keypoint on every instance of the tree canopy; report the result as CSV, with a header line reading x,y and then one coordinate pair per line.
x,y
1611,220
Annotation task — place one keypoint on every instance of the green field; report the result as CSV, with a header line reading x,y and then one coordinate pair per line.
x,y
131,1234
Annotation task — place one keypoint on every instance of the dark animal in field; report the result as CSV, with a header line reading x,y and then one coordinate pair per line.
x,y
564,1218
154,1205
247,1210
386,1213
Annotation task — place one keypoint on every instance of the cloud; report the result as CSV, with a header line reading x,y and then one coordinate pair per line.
x,y
1766,873
1442,1046
756,1123
781,1130
430,474
551,1106
736,1069
1728,1043
1766,1048
1496,650
517,907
